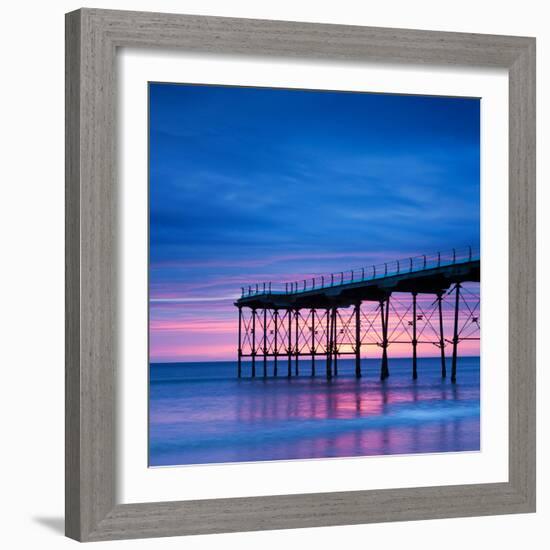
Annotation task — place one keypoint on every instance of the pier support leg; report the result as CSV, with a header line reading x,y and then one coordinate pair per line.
x,y
335,339
384,314
358,340
312,342
296,343
455,333
289,372
329,345
414,339
276,343
239,349
253,343
441,336
265,343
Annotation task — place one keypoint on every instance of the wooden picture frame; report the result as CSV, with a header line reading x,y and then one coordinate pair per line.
x,y
92,39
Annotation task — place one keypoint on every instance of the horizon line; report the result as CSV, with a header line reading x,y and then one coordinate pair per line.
x,y
285,356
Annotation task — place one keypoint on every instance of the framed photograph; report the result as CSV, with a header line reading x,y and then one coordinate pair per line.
x,y
300,275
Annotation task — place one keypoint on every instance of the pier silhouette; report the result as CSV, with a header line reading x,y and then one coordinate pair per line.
x,y
407,301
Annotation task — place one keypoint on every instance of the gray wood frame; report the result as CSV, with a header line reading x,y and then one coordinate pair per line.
x,y
92,38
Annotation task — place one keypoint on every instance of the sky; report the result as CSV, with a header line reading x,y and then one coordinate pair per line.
x,y
256,184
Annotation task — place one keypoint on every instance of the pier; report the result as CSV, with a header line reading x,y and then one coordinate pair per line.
x,y
428,299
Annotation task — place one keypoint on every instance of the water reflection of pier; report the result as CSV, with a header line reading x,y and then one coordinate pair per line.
x,y
347,400
296,416
420,302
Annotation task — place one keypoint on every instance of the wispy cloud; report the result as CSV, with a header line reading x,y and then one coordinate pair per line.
x,y
182,300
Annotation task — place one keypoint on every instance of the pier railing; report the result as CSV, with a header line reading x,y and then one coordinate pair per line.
x,y
401,266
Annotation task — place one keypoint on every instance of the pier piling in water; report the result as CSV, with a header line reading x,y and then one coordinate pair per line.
x,y
329,345
253,342
264,349
296,347
384,316
414,340
455,335
313,347
275,348
441,334
357,312
240,351
289,345
335,340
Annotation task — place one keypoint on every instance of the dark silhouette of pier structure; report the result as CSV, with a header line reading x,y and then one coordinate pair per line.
x,y
428,299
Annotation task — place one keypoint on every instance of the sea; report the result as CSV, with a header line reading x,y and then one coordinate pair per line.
x,y
202,413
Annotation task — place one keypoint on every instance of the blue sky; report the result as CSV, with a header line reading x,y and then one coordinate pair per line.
x,y
252,184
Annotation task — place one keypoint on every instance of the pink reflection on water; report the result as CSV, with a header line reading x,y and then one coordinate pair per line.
x,y
223,419
350,399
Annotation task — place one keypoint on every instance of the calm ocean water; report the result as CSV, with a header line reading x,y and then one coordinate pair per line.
x,y
201,413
